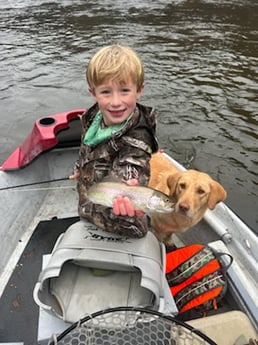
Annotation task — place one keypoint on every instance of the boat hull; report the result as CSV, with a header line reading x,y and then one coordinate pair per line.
x,y
41,191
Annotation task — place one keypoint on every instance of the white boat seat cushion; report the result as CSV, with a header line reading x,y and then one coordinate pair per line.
x,y
75,290
90,270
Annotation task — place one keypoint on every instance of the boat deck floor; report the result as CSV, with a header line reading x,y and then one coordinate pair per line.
x,y
18,311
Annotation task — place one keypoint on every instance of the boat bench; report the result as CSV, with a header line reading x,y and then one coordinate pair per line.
x,y
91,270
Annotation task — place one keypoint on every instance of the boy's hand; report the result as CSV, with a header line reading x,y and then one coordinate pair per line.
x,y
74,176
122,205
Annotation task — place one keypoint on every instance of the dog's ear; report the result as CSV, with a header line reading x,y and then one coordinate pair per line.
x,y
217,194
172,182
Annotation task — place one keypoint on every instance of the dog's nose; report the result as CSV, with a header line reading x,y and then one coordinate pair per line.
x,y
184,207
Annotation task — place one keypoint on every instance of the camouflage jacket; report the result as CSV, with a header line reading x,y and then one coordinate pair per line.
x,y
124,156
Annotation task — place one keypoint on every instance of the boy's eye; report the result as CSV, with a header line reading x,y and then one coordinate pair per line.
x,y
125,89
105,92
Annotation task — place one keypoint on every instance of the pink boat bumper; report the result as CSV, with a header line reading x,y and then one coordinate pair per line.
x,y
42,138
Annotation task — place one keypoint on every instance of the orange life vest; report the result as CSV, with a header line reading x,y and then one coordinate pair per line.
x,y
196,277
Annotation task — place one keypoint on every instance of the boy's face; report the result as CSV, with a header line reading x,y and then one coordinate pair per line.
x,y
116,101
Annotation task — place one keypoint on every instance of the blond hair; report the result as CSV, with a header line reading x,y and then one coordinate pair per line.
x,y
115,62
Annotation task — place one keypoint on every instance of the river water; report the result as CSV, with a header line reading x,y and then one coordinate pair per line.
x,y
201,62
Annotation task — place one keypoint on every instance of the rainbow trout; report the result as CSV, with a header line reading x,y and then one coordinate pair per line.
x,y
144,198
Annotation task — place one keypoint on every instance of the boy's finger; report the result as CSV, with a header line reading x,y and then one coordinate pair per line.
x,y
119,208
132,182
129,207
139,213
122,206
74,176
116,209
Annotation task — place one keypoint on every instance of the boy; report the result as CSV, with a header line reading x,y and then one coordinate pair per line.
x,y
118,138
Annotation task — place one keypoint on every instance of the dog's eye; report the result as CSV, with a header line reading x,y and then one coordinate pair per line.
x,y
182,185
200,191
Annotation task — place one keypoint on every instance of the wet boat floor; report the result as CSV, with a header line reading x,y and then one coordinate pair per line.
x,y
18,311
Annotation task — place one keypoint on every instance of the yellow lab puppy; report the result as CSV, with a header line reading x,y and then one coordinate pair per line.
x,y
193,192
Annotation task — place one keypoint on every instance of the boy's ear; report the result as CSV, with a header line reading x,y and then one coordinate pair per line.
x,y
91,91
141,87
139,92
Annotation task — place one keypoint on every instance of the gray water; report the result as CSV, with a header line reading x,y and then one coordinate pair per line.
x,y
201,67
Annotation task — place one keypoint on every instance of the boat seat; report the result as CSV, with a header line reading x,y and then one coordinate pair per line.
x,y
90,270
229,328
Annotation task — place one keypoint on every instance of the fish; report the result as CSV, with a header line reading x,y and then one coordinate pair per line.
x,y
143,198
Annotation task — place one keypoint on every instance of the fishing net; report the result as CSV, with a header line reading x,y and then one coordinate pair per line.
x,y
130,326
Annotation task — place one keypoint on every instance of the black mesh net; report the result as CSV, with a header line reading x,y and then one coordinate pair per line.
x,y
130,326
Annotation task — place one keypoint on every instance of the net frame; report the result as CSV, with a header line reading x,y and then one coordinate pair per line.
x,y
198,336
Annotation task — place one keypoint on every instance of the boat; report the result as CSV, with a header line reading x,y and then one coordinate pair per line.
x,y
39,215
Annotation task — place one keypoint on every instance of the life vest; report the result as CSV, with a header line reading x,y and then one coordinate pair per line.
x,y
196,277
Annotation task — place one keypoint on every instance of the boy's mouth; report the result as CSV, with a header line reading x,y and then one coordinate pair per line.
x,y
117,113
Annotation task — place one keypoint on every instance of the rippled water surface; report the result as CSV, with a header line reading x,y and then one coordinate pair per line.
x,y
201,61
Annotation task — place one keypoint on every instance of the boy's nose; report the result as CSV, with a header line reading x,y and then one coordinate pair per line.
x,y
115,100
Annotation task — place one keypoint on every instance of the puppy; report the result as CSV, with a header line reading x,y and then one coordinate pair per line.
x,y
193,192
